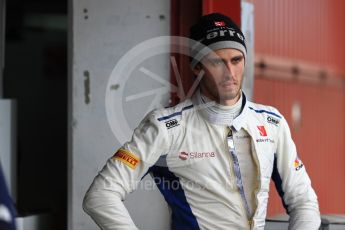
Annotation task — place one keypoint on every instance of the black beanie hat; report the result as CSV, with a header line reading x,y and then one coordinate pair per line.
x,y
216,31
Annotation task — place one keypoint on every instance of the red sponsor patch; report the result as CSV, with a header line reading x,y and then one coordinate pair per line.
x,y
127,158
183,156
220,23
262,130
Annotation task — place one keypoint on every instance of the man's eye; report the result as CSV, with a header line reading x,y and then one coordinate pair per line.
x,y
236,60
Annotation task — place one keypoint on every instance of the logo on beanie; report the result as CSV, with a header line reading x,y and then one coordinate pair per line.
x,y
224,33
220,23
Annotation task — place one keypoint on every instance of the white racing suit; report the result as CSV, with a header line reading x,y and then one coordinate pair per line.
x,y
193,161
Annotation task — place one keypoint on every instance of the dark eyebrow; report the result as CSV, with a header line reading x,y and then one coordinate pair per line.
x,y
237,57
217,59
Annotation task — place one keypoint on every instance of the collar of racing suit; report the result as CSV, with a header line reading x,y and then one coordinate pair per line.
x,y
220,114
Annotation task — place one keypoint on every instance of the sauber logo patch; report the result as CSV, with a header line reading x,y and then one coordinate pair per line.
x,y
220,23
127,158
298,164
183,156
262,130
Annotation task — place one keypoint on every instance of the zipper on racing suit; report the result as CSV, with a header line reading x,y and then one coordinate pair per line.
x,y
237,171
256,191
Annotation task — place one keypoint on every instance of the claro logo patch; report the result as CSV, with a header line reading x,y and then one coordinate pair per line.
x,y
127,158
298,164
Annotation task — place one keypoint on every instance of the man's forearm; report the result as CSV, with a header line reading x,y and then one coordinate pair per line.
x,y
305,219
108,211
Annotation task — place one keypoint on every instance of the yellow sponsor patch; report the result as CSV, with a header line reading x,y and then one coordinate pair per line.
x,y
127,158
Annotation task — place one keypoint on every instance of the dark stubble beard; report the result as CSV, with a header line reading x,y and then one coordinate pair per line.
x,y
214,93
229,95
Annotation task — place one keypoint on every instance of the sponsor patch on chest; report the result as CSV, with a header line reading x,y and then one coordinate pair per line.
x,y
273,120
196,155
171,123
264,138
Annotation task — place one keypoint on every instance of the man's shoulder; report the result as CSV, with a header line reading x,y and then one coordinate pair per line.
x,y
266,115
264,110
174,112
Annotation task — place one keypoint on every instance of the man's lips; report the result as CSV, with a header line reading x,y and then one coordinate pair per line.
x,y
228,84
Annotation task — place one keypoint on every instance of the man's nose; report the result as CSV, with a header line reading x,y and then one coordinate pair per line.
x,y
228,68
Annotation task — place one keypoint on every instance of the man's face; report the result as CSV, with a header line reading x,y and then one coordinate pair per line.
x,y
223,75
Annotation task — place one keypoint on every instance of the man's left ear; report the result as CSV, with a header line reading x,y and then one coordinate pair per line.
x,y
197,69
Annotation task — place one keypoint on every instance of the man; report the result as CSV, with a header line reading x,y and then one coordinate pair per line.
x,y
217,149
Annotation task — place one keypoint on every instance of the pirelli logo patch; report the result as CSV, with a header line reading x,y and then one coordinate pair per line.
x,y
127,158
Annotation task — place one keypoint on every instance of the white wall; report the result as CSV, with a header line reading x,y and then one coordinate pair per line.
x,y
8,144
247,27
100,33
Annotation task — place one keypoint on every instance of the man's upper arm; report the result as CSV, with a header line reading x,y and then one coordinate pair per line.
x,y
121,174
293,183
129,164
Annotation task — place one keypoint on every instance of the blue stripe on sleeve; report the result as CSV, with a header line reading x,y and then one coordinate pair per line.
x,y
278,182
175,114
265,111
